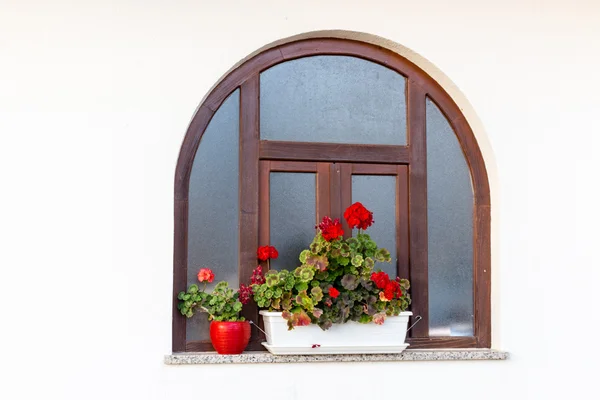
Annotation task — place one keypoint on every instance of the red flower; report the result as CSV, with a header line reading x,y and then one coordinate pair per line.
x,y
265,252
257,276
391,290
245,293
397,290
205,275
333,292
330,229
381,279
358,216
388,292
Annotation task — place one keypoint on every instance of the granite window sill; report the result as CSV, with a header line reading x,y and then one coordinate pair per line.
x,y
268,358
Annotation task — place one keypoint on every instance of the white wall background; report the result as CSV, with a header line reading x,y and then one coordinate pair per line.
x,y
95,97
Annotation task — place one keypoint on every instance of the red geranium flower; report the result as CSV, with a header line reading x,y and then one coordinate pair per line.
x,y
273,252
265,252
205,275
381,279
358,216
388,292
333,292
392,289
330,229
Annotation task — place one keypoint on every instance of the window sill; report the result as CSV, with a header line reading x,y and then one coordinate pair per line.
x,y
268,358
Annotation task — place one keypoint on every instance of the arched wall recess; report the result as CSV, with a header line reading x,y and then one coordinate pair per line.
x,y
412,244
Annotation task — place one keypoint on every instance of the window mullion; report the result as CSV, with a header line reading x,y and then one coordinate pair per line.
x,y
249,191
418,208
323,191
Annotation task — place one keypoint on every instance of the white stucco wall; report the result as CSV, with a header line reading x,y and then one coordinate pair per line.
x,y
95,97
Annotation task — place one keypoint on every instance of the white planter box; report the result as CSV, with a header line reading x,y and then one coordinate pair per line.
x,y
349,338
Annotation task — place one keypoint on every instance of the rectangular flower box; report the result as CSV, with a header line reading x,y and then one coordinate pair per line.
x,y
349,338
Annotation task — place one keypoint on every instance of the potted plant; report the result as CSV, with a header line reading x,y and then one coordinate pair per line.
x,y
334,302
229,332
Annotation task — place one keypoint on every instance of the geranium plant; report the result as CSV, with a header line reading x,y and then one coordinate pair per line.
x,y
222,304
335,282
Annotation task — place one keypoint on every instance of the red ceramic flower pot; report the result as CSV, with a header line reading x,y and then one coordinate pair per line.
x,y
229,337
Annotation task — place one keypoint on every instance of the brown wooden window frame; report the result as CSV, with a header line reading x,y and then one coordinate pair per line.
x,y
337,162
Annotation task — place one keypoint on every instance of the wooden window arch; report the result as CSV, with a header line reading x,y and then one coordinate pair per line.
x,y
419,87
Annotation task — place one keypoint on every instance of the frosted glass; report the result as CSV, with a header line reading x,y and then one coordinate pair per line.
x,y
450,230
213,206
378,194
293,216
336,99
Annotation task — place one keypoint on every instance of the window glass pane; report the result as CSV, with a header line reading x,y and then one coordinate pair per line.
x,y
213,206
293,216
337,99
378,194
450,230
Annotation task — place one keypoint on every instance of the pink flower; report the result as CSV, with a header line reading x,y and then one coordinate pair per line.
x,y
379,318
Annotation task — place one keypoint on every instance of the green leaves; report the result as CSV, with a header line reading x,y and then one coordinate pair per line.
x,y
276,304
272,279
345,250
304,273
286,301
357,260
349,282
303,255
382,255
404,284
237,306
289,283
321,276
220,305
318,262
316,294
304,301
315,248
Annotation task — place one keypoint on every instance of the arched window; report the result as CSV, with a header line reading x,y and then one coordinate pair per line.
x,y
304,129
